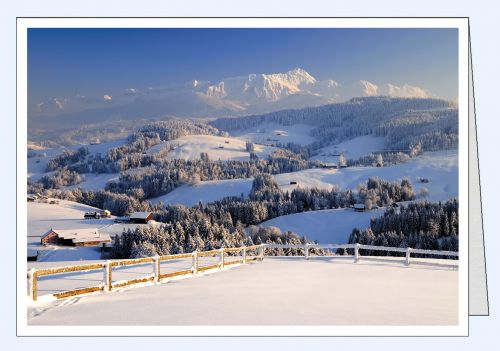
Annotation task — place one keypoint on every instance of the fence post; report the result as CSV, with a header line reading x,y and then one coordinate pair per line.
x,y
356,252
306,250
107,277
194,267
261,253
244,254
221,258
408,254
156,268
32,281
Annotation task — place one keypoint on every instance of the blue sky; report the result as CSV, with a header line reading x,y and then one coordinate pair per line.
x,y
93,62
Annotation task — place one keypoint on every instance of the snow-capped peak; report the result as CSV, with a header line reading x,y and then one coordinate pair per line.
x,y
267,87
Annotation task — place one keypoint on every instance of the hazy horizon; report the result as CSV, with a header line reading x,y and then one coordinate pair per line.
x,y
71,70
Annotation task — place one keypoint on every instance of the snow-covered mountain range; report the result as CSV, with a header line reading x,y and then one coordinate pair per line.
x,y
242,95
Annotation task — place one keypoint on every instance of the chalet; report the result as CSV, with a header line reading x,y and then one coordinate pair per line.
x,y
75,237
31,198
359,207
141,217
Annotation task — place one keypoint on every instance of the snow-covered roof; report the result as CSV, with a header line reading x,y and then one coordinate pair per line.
x,y
359,206
140,215
81,235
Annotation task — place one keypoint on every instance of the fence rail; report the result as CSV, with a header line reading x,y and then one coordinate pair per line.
x,y
222,254
156,276
357,256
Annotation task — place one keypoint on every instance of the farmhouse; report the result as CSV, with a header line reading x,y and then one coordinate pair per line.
x,y
75,237
141,217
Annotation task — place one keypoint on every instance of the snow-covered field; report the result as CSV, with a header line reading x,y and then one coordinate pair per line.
x,y
67,215
441,168
273,133
218,148
278,291
37,165
190,195
326,226
95,181
354,148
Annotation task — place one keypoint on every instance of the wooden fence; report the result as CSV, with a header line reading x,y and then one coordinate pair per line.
x,y
156,276
224,256
408,251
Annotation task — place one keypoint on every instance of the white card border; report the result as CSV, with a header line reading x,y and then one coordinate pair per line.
x,y
22,26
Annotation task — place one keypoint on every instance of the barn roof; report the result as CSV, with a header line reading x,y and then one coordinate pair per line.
x,y
80,235
140,215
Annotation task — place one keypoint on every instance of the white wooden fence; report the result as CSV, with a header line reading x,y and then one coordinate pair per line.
x,y
222,254
157,276
356,247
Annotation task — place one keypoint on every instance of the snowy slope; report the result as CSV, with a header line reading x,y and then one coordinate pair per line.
x,y
352,149
38,164
95,181
67,215
209,191
270,133
440,167
327,226
323,291
189,147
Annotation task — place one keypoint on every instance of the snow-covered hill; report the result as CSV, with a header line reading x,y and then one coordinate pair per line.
x,y
323,291
218,148
351,149
272,133
37,164
67,215
190,195
327,226
440,168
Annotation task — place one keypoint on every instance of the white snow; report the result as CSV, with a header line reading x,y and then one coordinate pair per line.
x,y
37,165
440,167
208,191
95,181
271,133
352,149
67,215
326,226
189,148
278,291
